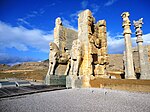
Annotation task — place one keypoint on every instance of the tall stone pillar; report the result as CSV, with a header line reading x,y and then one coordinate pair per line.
x,y
144,68
130,74
85,22
85,31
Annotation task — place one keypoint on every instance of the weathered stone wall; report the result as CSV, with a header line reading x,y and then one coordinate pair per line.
x,y
136,60
115,62
146,56
94,44
63,38
83,37
70,36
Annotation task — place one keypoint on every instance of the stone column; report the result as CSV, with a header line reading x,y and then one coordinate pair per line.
x,y
144,68
128,46
85,22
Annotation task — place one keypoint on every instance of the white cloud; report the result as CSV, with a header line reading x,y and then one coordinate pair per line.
x,y
23,21
23,39
116,44
146,39
76,13
110,2
74,16
95,8
84,4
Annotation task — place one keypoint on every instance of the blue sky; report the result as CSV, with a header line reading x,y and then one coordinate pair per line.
x,y
26,26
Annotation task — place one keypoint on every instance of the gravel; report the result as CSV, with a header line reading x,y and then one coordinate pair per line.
x,y
78,100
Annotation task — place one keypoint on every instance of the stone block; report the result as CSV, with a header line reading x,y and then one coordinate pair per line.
x,y
70,81
78,82
56,80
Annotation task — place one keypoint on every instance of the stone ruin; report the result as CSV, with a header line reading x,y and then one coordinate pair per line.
x,y
79,54
141,51
77,57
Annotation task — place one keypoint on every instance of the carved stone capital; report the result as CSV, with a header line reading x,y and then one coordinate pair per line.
x,y
126,23
138,26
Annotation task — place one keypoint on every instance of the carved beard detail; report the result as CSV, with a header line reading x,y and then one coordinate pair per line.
x,y
98,43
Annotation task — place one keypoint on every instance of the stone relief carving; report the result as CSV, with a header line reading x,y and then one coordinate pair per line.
x,y
56,57
98,48
75,57
53,57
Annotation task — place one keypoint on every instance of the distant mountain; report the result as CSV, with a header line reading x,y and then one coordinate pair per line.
x,y
4,67
38,70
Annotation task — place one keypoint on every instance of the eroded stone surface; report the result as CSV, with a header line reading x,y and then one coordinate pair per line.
x,y
94,44
143,59
130,74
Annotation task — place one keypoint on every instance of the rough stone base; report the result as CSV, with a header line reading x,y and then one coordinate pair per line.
x,y
73,82
70,82
56,80
47,80
78,82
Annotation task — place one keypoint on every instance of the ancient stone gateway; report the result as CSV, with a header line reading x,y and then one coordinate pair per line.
x,y
82,54
59,56
77,57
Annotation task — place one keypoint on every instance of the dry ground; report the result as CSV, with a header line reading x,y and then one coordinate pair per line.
x,y
79,100
24,74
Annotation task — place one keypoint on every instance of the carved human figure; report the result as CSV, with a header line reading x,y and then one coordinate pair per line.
x,y
75,57
53,57
98,49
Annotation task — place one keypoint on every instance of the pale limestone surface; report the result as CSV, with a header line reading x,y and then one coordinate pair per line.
x,y
130,74
63,38
59,63
76,55
79,100
94,44
85,51
144,68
